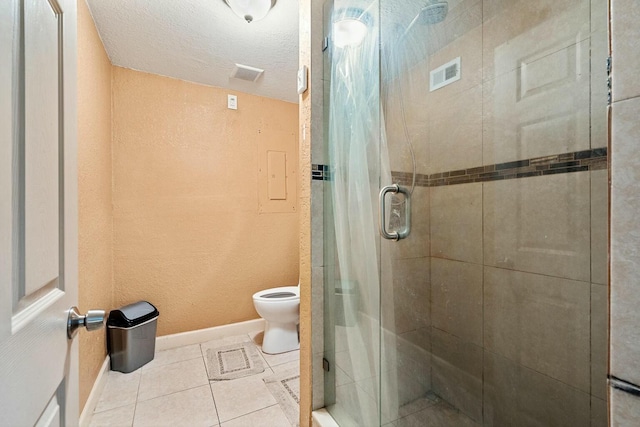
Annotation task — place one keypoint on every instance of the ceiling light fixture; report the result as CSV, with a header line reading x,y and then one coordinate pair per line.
x,y
250,10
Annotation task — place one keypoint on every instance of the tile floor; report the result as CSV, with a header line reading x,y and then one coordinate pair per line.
x,y
173,390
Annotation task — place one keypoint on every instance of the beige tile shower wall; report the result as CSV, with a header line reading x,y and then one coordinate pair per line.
x,y
95,226
539,225
518,267
188,234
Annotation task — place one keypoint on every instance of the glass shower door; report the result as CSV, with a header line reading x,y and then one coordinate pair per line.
x,y
351,187
490,117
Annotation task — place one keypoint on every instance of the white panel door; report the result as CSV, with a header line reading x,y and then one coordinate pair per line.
x,y
38,212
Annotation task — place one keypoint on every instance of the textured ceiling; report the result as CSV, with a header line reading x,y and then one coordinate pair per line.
x,y
201,40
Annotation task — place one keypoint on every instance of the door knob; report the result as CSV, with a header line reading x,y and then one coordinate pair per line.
x,y
94,319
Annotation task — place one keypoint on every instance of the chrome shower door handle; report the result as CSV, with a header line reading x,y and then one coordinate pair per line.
x,y
404,232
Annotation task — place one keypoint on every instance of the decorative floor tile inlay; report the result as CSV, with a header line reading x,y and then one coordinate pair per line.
x,y
233,361
292,386
285,387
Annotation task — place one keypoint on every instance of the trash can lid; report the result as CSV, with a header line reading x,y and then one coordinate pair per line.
x,y
132,314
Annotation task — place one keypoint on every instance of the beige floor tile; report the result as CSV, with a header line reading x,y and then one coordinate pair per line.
x,y
415,406
267,370
279,359
171,378
193,407
289,366
267,417
239,397
440,414
173,355
120,390
118,417
220,342
255,337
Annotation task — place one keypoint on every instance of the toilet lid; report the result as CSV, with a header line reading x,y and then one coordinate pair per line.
x,y
278,295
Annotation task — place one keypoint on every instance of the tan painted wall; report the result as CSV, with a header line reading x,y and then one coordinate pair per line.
x,y
95,226
188,235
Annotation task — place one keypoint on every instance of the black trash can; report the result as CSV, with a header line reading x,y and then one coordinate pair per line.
x,y
131,336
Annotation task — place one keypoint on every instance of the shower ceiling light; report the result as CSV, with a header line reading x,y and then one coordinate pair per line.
x,y
349,32
350,26
250,10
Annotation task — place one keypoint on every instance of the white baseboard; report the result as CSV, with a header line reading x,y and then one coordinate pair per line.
x,y
94,396
203,335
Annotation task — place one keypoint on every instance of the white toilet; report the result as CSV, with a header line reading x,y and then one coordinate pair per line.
x,y
280,308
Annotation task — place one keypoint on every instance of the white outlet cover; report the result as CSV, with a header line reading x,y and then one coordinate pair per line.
x,y
232,102
302,79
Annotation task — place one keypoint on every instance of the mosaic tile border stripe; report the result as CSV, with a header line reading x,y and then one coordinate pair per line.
x,y
319,172
577,161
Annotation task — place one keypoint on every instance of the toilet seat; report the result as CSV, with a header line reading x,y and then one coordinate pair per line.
x,y
283,293
278,295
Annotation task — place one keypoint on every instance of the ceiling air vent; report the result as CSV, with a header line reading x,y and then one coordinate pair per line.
x,y
444,75
244,72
